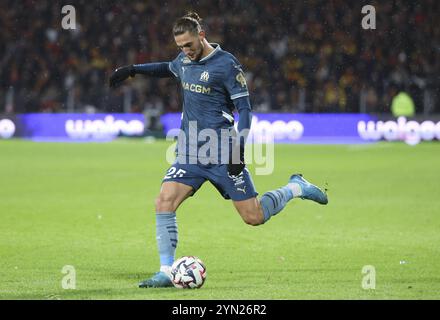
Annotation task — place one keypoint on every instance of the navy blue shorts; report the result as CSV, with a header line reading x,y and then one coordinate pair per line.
x,y
237,188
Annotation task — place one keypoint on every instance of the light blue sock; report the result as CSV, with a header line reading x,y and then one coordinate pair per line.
x,y
274,201
166,236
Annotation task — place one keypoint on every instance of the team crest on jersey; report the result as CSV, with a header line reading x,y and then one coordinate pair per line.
x,y
241,79
204,76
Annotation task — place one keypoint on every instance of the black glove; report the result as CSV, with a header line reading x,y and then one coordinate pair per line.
x,y
236,167
120,74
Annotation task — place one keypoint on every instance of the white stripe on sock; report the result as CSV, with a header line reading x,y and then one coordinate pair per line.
x,y
296,189
166,269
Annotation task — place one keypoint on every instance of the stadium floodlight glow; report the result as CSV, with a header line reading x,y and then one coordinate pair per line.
x,y
7,128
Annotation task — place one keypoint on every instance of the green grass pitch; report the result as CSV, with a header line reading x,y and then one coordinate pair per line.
x,y
91,206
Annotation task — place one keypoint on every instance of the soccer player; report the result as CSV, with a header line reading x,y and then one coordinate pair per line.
x,y
213,86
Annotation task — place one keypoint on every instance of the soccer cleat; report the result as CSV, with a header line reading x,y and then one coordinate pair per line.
x,y
308,191
159,280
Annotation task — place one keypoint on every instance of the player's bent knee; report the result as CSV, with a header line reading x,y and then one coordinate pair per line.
x,y
252,218
165,203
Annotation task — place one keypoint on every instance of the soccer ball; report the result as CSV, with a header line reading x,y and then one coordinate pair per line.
x,y
188,273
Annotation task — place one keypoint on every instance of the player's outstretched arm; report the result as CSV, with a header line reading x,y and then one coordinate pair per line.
x,y
120,74
158,69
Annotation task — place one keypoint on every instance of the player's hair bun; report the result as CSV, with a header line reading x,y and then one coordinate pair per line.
x,y
189,22
193,15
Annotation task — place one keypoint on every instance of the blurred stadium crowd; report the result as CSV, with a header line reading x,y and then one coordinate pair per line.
x,y
299,56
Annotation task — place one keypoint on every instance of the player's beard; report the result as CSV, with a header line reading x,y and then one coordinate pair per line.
x,y
199,53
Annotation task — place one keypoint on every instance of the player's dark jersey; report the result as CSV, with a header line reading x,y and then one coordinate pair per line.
x,y
209,87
